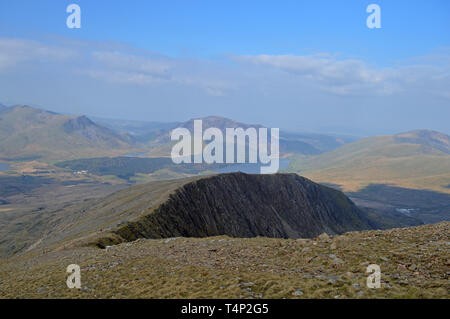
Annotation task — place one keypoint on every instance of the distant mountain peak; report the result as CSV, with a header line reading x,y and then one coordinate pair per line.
x,y
77,123
214,117
219,122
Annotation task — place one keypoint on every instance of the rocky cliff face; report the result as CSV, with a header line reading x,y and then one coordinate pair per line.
x,y
241,205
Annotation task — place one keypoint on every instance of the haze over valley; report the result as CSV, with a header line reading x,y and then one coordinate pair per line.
x,y
63,161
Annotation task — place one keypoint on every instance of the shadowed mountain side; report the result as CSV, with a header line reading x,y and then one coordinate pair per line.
x,y
428,206
241,205
235,204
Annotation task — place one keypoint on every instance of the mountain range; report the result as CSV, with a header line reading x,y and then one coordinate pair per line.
x,y
27,132
289,142
418,159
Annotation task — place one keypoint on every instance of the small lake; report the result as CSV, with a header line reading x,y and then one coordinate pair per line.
x,y
4,167
249,168
135,154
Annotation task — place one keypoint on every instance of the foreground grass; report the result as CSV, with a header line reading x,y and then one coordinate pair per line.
x,y
415,263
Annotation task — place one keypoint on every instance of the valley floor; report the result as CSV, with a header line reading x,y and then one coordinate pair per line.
x,y
415,263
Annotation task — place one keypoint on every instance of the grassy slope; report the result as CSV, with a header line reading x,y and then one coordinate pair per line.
x,y
81,223
413,261
381,160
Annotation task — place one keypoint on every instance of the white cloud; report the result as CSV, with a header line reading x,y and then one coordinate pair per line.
x,y
116,63
128,68
137,65
344,77
16,51
121,77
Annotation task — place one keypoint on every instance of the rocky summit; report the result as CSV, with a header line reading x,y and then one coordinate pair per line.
x,y
243,205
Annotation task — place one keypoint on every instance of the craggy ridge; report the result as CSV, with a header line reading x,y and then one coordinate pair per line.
x,y
242,205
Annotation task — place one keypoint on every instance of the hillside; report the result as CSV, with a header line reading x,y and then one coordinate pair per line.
x,y
418,159
142,131
219,211
28,133
235,204
413,263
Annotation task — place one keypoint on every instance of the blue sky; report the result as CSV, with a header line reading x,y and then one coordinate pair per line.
x,y
304,65
210,28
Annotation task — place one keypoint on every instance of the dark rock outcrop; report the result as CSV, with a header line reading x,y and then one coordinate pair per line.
x,y
241,205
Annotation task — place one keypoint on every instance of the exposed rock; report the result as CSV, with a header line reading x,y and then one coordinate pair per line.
x,y
242,205
250,268
297,292
323,236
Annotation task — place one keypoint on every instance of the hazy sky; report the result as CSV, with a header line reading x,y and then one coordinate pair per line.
x,y
303,65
